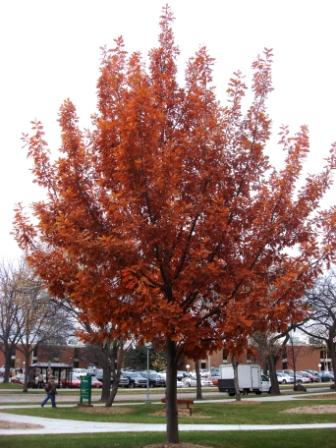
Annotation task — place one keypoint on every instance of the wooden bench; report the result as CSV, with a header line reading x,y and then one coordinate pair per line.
x,y
184,402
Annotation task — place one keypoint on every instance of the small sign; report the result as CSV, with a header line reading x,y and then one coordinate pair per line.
x,y
85,390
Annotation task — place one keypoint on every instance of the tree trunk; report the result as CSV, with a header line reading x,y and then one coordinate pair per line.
x,y
198,381
236,380
332,350
113,393
275,389
171,393
27,354
117,355
294,362
8,351
106,388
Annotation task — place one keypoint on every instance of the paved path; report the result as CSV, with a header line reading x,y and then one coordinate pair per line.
x,y
62,426
58,426
35,402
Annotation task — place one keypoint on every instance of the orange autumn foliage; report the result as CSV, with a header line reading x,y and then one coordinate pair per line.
x,y
168,218
170,210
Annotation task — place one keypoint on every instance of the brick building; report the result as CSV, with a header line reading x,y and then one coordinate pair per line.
x,y
299,356
75,355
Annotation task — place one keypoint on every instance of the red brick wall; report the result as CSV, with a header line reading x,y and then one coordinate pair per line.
x,y
305,357
63,354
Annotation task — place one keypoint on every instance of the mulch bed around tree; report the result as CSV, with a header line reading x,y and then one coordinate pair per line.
x,y
329,396
12,425
105,410
321,409
175,445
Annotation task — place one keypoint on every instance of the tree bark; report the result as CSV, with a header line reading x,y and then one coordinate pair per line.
x,y
27,354
171,393
294,363
332,350
113,392
236,380
8,351
116,355
198,381
106,388
275,389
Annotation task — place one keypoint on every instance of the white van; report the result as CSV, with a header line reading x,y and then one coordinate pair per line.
x,y
250,379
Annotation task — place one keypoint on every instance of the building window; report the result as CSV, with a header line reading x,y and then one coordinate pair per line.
x,y
284,365
203,364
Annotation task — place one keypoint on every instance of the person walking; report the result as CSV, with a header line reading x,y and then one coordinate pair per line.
x,y
51,390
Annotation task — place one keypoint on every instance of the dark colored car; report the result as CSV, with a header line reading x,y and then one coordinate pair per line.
x,y
135,379
155,380
326,376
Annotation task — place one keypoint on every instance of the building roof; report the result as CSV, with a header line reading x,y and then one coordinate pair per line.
x,y
52,365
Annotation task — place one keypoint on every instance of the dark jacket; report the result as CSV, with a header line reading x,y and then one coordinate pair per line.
x,y
51,388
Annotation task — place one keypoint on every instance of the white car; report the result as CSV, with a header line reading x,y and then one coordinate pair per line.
x,y
179,383
284,378
191,381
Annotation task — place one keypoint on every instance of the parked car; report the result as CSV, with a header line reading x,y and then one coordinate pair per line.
x,y
215,378
314,374
18,379
181,374
326,376
300,378
124,381
76,372
95,383
308,375
155,380
74,383
284,378
135,379
191,381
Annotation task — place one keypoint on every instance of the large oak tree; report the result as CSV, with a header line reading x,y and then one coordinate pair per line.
x,y
168,218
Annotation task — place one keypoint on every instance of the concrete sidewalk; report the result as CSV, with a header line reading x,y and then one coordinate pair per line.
x,y
63,426
58,426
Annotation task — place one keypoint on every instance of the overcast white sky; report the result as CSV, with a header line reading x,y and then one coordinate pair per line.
x,y
49,51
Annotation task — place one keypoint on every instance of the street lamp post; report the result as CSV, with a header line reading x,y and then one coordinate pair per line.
x,y
148,346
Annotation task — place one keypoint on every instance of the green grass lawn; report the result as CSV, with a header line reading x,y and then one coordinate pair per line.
x,y
225,413
258,439
10,386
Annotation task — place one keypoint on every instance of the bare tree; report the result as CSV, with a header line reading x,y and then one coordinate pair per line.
x,y
42,319
9,316
107,351
270,347
322,323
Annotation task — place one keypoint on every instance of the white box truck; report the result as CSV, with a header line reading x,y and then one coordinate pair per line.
x,y
250,379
